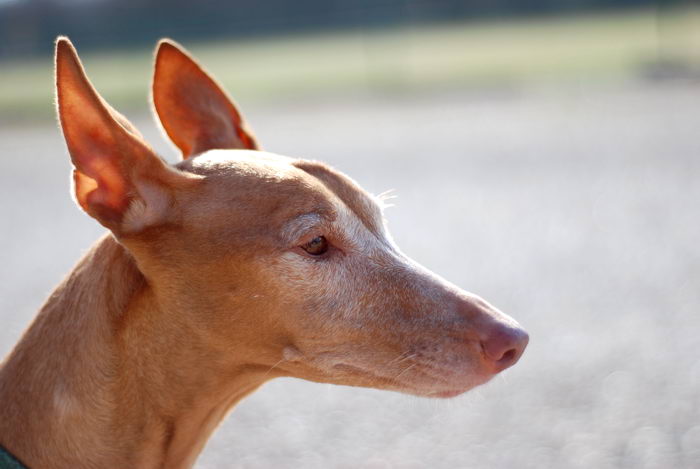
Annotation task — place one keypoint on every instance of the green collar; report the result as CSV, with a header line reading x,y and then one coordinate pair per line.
x,y
7,461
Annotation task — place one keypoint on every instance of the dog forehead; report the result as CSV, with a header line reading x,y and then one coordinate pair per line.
x,y
232,163
308,185
254,176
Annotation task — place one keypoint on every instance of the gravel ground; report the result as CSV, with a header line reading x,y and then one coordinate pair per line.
x,y
574,210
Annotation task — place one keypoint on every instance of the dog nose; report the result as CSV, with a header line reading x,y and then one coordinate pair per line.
x,y
504,346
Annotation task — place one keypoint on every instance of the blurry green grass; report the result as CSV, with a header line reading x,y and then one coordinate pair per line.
x,y
405,59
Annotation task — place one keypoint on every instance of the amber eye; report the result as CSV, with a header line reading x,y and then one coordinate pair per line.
x,y
317,246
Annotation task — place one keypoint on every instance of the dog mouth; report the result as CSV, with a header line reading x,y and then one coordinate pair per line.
x,y
416,379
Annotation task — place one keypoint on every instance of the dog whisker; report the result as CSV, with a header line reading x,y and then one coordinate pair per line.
x,y
409,367
273,367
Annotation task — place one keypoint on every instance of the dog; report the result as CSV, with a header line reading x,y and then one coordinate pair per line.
x,y
217,274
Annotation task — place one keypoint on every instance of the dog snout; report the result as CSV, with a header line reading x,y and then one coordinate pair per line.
x,y
503,346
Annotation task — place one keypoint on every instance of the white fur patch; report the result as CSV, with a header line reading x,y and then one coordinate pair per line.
x,y
148,209
63,403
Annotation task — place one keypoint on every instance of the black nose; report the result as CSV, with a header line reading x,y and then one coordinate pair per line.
x,y
504,346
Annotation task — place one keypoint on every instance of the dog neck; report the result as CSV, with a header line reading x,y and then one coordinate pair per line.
x,y
103,378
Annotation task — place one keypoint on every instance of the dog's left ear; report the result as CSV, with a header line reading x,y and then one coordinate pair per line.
x,y
193,109
118,179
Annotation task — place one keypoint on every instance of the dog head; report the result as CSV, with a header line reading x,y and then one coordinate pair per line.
x,y
276,265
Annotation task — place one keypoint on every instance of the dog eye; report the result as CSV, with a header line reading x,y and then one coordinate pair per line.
x,y
317,246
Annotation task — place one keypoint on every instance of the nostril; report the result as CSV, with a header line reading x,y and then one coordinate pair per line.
x,y
508,356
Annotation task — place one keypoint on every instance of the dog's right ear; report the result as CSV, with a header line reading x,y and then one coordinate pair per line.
x,y
193,109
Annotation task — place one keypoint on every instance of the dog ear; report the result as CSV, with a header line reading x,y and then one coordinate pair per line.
x,y
193,109
118,179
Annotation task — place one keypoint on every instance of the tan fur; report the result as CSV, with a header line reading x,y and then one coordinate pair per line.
x,y
202,291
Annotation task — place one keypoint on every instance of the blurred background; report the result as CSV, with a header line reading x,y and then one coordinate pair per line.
x,y
545,154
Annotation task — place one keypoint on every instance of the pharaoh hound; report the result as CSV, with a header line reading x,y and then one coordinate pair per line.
x,y
230,268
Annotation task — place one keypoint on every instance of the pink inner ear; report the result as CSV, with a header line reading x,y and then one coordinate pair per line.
x,y
199,114
98,201
105,189
99,178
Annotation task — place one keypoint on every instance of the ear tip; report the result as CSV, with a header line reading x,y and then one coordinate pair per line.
x,y
166,41
62,42
65,48
167,46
